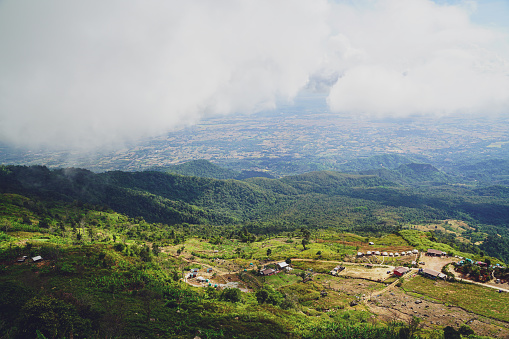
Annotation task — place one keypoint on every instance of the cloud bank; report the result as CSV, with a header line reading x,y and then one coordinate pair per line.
x,y
91,73
403,58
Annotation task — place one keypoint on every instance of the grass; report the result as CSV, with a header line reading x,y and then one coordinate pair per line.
x,y
494,305
280,280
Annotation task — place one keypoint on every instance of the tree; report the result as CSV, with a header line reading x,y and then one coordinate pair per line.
x,y
269,252
288,261
451,333
465,330
155,249
304,243
261,296
231,294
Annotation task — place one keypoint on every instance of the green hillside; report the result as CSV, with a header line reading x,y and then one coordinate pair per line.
x,y
116,247
350,202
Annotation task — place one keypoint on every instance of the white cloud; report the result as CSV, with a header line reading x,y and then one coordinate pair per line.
x,y
86,73
90,73
417,57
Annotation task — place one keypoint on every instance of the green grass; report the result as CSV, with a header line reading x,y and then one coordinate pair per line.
x,y
494,305
280,280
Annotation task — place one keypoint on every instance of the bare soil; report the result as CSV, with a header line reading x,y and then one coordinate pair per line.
x,y
394,304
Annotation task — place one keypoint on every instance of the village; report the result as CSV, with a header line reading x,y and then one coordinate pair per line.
x,y
365,281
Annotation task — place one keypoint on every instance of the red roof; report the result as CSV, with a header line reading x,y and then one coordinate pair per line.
x,y
399,271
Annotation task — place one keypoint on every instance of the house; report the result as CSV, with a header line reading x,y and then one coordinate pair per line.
x,y
377,253
368,253
37,258
396,254
268,271
360,254
336,270
429,273
435,253
371,243
385,254
415,251
209,270
22,259
282,265
399,271
391,254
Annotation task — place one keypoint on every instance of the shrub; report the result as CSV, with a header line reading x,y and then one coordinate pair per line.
x,y
231,294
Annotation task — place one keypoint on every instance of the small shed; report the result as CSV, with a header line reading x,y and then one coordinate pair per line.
x,y
434,253
399,271
282,265
268,271
37,258
429,273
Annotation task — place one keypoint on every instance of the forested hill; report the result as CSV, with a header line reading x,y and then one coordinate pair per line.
x,y
206,169
359,203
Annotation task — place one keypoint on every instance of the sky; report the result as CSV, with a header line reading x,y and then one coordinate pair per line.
x,y
91,74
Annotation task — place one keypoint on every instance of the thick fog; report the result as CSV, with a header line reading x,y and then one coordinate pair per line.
x,y
86,74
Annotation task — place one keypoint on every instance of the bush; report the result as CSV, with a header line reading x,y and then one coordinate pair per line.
x,y
231,294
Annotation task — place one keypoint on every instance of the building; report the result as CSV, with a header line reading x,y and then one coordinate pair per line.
x,y
37,258
429,273
435,253
282,265
268,271
399,271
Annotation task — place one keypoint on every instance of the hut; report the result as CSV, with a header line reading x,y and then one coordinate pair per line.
x,y
429,273
268,271
281,265
434,253
399,271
